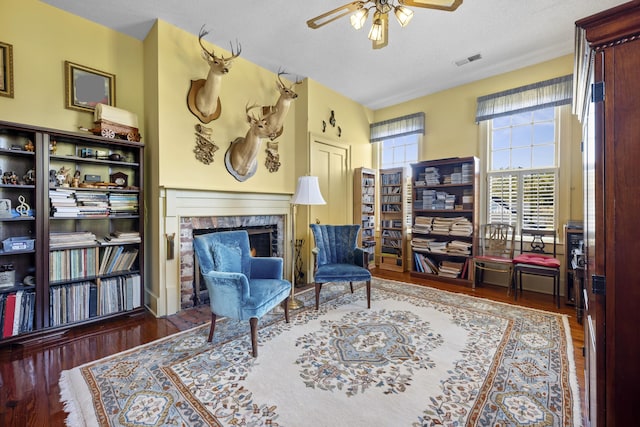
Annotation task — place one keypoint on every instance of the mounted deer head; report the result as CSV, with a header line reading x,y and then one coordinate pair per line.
x,y
240,157
203,98
287,95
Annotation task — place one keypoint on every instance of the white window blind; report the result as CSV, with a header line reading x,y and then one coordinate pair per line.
x,y
539,200
523,199
503,199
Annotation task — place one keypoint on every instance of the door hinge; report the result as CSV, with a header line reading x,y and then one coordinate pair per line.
x,y
598,284
597,92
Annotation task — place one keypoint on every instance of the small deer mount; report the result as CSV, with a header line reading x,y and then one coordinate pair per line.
x,y
203,98
240,158
275,122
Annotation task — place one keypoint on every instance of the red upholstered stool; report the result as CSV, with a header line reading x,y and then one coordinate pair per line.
x,y
537,263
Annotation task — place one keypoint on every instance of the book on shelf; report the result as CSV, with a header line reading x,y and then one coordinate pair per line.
x,y
71,264
16,312
117,258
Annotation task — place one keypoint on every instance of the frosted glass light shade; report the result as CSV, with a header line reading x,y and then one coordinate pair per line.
x,y
403,15
359,18
375,34
307,192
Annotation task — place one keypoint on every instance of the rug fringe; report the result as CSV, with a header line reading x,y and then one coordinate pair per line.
x,y
70,404
573,378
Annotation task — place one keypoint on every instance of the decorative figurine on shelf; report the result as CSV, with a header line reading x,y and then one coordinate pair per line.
x,y
29,146
10,177
52,176
29,178
62,177
23,208
53,147
75,182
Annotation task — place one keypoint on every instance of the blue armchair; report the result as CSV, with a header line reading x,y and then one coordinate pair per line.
x,y
337,259
240,286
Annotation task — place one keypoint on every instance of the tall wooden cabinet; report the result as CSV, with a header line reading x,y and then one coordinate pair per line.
x,y
444,217
364,209
612,236
71,230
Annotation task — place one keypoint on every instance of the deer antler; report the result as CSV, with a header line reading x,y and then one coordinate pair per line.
x,y
234,54
283,72
201,35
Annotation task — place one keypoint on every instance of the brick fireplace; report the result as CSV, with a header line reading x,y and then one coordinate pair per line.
x,y
187,210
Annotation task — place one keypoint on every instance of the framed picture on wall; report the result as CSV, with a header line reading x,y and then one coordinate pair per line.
x,y
85,87
6,70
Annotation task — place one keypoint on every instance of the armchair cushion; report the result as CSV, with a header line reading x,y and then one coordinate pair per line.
x,y
342,273
227,257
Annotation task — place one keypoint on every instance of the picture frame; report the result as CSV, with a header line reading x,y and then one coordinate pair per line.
x,y
85,87
6,70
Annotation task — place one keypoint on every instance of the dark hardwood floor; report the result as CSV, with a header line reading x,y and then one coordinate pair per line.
x,y
29,392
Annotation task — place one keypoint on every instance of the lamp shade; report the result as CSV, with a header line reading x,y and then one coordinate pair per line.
x,y
307,192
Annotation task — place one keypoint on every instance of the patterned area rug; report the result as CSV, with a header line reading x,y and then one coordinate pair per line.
x,y
418,357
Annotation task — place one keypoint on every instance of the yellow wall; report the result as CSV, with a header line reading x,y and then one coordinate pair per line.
x,y
43,37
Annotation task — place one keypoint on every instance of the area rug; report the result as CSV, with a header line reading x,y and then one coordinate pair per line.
x,y
418,357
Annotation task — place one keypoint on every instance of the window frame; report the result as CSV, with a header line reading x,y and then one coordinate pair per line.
x,y
520,173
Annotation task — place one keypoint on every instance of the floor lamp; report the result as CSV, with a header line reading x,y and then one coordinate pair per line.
x,y
307,193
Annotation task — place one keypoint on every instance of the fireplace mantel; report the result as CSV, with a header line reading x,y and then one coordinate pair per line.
x,y
178,205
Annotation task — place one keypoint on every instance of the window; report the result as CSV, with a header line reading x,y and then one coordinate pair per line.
x,y
399,152
398,140
522,170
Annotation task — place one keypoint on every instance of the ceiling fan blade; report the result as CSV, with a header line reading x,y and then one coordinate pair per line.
x,y
379,44
449,5
334,14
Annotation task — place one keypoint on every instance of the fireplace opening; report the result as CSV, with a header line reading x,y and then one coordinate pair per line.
x,y
263,241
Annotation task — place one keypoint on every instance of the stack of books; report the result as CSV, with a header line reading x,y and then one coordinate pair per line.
x,y
63,203
92,203
71,239
123,203
450,269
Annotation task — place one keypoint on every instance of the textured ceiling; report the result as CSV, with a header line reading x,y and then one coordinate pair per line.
x,y
420,59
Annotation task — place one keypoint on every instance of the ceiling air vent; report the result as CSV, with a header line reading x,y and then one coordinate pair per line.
x,y
468,59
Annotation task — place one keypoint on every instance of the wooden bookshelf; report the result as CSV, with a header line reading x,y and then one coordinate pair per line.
x,y
444,218
87,205
364,208
393,223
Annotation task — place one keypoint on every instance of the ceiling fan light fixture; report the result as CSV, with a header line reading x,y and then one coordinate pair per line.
x,y
359,18
403,15
375,34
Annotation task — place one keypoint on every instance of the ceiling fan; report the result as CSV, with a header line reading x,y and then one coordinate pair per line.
x,y
379,29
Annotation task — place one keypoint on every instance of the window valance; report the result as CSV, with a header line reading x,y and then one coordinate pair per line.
x,y
400,126
548,93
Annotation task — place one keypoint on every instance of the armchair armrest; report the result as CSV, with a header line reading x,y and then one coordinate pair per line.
x,y
266,268
227,292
